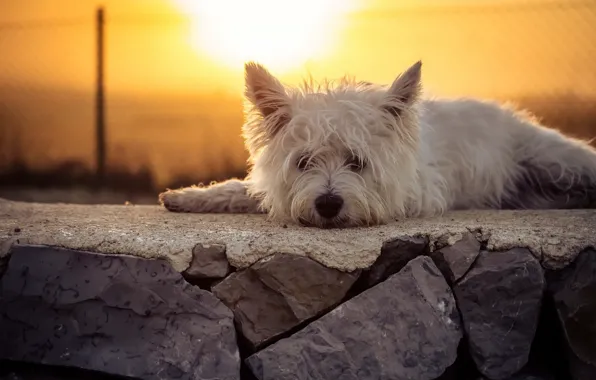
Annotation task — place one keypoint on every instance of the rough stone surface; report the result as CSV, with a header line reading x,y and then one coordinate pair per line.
x,y
406,327
500,300
209,262
30,371
3,265
116,314
555,236
455,260
525,377
395,254
278,293
574,293
579,369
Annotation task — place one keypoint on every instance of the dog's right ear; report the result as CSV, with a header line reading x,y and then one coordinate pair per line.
x,y
405,90
268,96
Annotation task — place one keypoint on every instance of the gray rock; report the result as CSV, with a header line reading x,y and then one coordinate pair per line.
x,y
524,377
455,260
209,262
278,293
574,293
395,254
500,300
406,327
115,314
579,369
3,265
29,371
528,375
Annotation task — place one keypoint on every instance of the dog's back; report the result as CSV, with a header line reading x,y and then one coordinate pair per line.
x,y
481,154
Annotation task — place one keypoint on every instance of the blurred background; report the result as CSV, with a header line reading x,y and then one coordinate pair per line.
x,y
114,101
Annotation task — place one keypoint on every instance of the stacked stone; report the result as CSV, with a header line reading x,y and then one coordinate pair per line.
x,y
457,312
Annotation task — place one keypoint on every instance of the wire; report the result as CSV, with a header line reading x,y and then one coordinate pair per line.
x,y
393,12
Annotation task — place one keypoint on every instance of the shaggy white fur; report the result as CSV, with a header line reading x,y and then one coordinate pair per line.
x,y
353,153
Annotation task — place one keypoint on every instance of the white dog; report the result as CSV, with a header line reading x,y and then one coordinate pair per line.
x,y
354,153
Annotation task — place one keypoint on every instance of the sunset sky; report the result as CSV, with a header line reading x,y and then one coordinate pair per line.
x,y
176,65
172,44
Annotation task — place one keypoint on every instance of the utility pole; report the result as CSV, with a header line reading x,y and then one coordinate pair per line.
x,y
100,127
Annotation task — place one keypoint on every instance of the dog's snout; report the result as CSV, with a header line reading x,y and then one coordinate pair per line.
x,y
328,205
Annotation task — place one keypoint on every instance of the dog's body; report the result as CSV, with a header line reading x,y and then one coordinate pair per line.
x,y
360,154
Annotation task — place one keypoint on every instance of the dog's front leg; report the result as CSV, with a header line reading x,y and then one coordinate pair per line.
x,y
225,197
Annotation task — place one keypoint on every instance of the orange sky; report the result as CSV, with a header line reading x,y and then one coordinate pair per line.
x,y
495,52
167,81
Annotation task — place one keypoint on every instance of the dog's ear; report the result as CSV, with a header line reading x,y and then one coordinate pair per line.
x,y
267,95
405,90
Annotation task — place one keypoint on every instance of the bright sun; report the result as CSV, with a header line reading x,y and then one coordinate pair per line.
x,y
281,34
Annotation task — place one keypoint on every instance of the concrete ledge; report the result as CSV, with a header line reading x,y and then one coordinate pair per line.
x,y
463,296
554,237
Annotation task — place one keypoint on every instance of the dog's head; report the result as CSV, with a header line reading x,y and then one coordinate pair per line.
x,y
332,155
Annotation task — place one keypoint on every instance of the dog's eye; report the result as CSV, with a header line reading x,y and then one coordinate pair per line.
x,y
355,164
302,163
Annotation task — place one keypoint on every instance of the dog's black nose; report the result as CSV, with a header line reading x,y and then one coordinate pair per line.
x,y
328,205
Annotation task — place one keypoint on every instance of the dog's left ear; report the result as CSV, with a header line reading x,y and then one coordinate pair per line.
x,y
405,90
268,96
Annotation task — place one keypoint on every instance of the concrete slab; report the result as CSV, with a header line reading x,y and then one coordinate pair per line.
x,y
554,236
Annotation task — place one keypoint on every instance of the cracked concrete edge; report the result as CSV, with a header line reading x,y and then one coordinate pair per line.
x,y
554,237
179,259
240,255
552,253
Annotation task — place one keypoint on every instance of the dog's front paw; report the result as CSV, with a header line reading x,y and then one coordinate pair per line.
x,y
174,200
227,197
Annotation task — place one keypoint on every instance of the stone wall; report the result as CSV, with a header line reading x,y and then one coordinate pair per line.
x,y
467,299
460,312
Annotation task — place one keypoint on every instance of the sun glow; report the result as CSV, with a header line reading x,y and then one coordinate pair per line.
x,y
279,33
